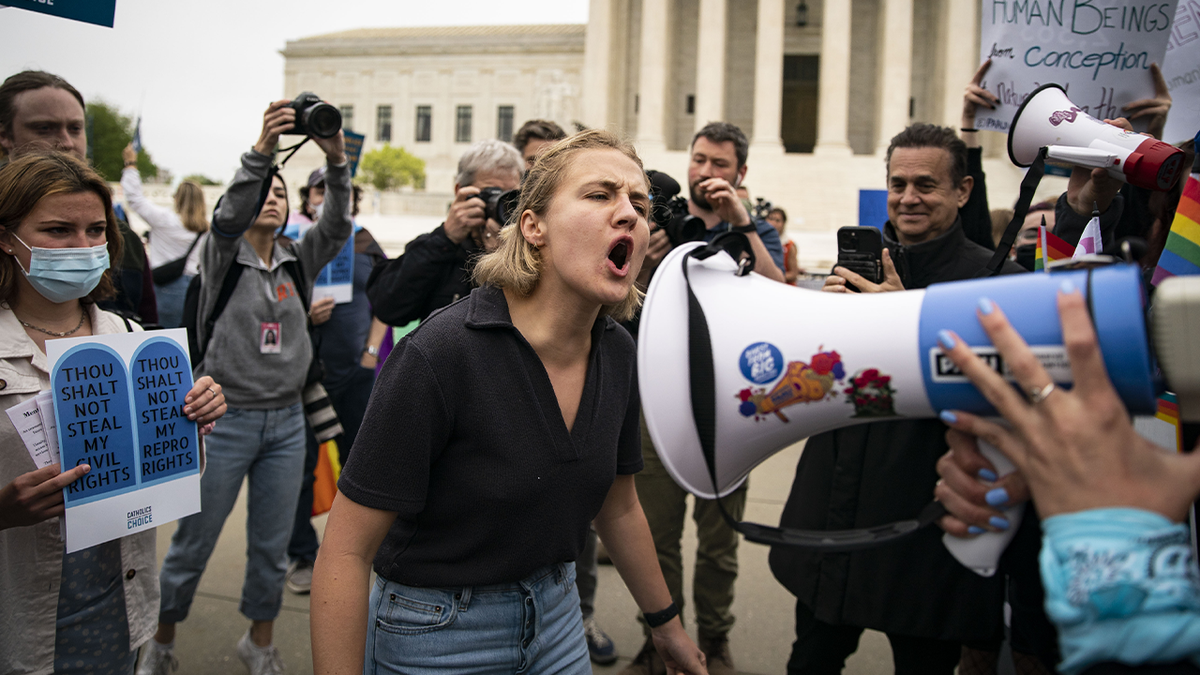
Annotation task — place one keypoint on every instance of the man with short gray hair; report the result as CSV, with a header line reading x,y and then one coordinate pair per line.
x,y
435,269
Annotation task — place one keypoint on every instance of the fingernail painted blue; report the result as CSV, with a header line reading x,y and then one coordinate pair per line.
x,y
986,306
1067,286
975,529
948,417
988,475
997,497
998,522
946,339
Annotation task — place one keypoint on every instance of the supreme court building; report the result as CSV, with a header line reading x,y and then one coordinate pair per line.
x,y
819,86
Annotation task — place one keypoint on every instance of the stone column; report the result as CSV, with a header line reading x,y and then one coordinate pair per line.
x,y
768,77
960,54
596,63
834,93
895,71
710,63
652,82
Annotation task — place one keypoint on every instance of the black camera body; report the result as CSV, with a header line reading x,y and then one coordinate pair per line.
x,y
672,216
315,117
669,211
499,204
762,208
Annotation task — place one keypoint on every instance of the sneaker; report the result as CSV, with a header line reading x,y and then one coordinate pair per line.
x,y
299,577
600,646
647,662
158,659
716,650
260,660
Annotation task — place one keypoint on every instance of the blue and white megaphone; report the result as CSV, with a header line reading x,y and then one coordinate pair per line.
x,y
734,368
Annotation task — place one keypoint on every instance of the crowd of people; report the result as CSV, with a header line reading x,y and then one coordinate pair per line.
x,y
501,442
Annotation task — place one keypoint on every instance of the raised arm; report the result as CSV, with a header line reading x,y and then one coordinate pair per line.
x,y
131,184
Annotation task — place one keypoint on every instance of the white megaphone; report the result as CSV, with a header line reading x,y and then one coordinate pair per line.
x,y
1049,119
733,369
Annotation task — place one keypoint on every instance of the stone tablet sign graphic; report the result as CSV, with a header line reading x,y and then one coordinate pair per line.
x,y
118,407
161,378
92,407
1100,51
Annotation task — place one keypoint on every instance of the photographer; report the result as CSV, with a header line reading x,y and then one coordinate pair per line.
x,y
259,348
1116,560
435,269
717,165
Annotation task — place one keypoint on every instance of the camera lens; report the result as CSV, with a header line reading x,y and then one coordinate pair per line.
x,y
506,204
323,120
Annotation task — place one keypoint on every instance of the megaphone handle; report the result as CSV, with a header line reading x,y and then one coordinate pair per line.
x,y
981,554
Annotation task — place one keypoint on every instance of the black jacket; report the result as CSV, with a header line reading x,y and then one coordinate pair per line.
x,y
432,273
877,473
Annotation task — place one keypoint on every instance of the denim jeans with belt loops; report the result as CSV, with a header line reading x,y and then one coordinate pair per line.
x,y
530,626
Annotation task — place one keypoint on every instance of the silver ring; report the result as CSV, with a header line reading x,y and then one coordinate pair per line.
x,y
1039,394
210,390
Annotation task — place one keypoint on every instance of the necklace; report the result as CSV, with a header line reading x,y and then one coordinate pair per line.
x,y
82,316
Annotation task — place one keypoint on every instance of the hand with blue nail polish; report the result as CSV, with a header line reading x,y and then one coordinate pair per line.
x,y
1076,451
970,489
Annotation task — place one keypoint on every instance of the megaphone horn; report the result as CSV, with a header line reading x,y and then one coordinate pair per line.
x,y
1048,118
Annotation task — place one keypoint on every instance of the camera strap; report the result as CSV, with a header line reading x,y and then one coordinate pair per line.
x,y
704,414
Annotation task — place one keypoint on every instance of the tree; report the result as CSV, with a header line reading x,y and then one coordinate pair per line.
x,y
201,179
108,133
387,168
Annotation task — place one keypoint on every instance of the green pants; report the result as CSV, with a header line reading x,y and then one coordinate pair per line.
x,y
665,504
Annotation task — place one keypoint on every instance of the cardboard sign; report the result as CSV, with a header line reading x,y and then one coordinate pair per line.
x,y
118,405
1100,51
1181,70
99,12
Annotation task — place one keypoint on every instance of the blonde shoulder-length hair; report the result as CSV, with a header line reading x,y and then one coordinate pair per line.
x,y
517,264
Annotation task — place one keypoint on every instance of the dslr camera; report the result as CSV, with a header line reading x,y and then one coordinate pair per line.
x,y
669,212
315,117
499,204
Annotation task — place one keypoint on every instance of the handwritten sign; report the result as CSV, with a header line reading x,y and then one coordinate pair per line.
x,y
1100,51
1181,70
118,407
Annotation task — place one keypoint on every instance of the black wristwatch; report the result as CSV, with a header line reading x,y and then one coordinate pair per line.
x,y
656,619
744,229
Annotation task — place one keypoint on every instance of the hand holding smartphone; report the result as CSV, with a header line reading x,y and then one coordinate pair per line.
x,y
860,250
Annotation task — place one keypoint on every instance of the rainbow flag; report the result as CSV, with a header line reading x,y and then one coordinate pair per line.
x,y
1182,252
1050,248
1168,411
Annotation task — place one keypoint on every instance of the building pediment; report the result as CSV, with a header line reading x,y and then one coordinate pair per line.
x,y
548,38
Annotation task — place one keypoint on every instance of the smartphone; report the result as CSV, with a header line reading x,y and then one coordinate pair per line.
x,y
860,250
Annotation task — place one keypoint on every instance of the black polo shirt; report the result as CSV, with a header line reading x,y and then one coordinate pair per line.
x,y
464,439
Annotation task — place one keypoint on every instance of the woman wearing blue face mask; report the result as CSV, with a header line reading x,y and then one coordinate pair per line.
x,y
57,235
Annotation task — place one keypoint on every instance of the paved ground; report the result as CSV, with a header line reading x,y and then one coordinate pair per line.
x,y
760,641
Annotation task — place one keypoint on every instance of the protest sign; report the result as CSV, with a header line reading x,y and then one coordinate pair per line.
x,y
1181,70
354,147
99,12
118,405
336,280
1100,51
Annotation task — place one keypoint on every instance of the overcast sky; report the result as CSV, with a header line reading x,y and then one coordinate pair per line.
x,y
201,73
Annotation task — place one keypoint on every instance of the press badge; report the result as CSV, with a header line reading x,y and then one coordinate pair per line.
x,y
269,338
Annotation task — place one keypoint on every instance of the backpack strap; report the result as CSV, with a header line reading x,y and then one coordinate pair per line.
x,y
228,285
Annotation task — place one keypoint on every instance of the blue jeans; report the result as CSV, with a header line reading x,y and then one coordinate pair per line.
x,y
530,626
267,445
170,301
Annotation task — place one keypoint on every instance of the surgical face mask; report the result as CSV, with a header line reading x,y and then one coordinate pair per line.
x,y
1026,255
317,211
63,274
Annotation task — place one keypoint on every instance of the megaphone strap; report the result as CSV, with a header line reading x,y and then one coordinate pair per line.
x,y
703,394
1029,185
